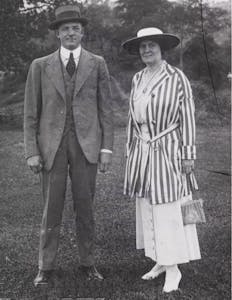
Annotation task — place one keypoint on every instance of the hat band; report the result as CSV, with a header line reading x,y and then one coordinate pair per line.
x,y
68,15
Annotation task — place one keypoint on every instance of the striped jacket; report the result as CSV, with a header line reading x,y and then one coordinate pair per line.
x,y
170,103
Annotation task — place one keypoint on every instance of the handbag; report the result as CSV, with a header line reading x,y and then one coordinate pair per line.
x,y
192,210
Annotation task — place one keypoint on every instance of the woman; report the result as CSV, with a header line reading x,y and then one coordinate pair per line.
x,y
160,152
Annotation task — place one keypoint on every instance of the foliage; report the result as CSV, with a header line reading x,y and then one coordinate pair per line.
x,y
24,34
218,60
17,28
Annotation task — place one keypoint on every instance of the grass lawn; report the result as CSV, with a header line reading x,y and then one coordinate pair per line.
x,y
117,258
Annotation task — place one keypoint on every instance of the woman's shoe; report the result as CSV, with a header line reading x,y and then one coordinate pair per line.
x,y
42,278
155,272
172,279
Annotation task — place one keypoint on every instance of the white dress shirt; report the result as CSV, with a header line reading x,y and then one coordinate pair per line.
x,y
64,55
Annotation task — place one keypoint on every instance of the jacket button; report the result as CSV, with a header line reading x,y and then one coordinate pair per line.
x,y
61,112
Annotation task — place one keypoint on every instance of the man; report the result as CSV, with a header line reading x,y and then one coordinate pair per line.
x,y
68,128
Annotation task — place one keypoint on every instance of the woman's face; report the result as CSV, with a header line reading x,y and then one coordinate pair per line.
x,y
150,52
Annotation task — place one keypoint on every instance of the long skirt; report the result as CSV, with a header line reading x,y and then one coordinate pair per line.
x,y
160,229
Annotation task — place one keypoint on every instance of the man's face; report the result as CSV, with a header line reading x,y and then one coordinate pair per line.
x,y
150,52
70,35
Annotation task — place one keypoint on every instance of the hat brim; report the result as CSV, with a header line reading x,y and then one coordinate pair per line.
x,y
55,24
165,40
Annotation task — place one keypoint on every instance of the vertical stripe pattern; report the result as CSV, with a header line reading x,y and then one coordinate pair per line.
x,y
170,102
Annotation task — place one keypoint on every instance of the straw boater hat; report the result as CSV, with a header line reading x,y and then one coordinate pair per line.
x,y
67,13
165,40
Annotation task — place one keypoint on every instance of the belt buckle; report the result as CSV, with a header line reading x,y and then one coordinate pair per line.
x,y
155,146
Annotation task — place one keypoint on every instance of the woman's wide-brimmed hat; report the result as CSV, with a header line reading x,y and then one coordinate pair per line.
x,y
166,41
67,13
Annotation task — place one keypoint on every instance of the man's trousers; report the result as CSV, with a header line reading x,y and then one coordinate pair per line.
x,y
69,159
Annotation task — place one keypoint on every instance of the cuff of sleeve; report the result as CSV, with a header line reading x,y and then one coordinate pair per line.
x,y
106,151
188,152
29,154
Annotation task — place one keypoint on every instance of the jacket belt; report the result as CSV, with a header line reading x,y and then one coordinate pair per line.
x,y
159,135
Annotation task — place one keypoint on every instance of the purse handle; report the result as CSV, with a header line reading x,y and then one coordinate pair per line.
x,y
191,184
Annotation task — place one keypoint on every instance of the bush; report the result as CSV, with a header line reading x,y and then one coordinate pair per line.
x,y
208,111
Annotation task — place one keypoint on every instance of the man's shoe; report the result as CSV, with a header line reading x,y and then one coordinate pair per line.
x,y
91,273
42,278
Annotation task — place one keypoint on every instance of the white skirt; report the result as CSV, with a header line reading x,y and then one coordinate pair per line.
x,y
160,231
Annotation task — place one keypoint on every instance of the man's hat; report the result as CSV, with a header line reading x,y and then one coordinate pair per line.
x,y
67,13
165,40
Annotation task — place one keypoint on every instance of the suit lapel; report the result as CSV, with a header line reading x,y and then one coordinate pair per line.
x,y
54,72
159,80
85,66
165,73
132,113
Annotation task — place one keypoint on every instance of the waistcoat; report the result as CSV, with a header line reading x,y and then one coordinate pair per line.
x,y
69,83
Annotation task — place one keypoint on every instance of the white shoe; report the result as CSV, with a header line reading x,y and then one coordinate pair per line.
x,y
155,272
172,279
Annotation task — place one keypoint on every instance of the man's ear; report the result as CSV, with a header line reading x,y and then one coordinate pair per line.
x,y
57,33
82,30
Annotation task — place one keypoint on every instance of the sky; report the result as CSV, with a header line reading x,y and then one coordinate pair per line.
x,y
210,2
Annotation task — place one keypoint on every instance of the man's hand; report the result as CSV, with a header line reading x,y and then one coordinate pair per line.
x,y
187,166
105,161
35,163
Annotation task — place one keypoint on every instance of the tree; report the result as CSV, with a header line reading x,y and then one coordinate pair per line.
x,y
17,28
131,12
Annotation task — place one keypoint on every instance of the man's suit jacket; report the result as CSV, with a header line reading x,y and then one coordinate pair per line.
x,y
45,107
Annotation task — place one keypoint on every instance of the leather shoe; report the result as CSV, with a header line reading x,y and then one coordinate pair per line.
x,y
91,273
42,278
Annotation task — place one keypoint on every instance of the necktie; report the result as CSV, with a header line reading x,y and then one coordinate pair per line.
x,y
71,66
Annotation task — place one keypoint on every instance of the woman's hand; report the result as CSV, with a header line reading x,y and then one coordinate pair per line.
x,y
187,166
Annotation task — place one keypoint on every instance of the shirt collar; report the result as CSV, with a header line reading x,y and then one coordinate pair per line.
x,y
65,53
